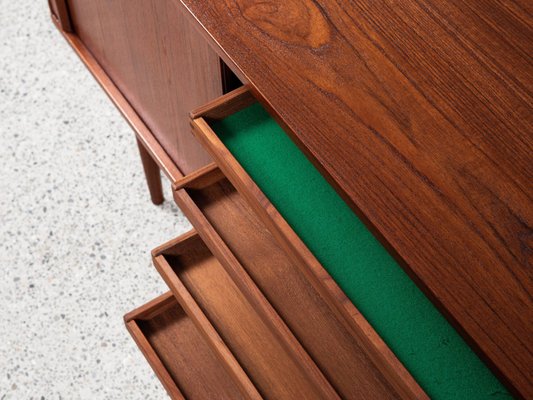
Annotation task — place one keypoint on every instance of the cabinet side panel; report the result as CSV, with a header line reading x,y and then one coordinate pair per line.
x,y
158,61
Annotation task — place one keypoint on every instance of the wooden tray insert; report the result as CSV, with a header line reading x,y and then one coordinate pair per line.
x,y
273,364
179,354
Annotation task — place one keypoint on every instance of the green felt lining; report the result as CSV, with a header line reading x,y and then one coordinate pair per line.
x,y
428,346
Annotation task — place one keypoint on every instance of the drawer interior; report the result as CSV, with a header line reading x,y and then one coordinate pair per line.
x,y
178,353
429,347
340,355
187,264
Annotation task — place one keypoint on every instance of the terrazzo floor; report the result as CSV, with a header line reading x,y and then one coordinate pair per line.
x,y
76,224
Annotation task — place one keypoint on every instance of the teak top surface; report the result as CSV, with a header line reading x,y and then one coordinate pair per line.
x,y
420,114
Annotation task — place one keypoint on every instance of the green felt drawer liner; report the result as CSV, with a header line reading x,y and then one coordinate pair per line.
x,y
428,346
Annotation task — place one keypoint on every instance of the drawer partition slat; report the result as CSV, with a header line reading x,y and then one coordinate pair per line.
x,y
225,105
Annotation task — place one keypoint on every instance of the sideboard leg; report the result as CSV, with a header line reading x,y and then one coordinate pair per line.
x,y
153,175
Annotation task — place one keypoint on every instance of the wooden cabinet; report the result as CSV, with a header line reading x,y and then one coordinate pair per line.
x,y
266,316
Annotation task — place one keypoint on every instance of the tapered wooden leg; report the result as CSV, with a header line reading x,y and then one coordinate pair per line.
x,y
153,175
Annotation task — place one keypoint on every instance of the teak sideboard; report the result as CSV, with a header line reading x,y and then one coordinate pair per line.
x,y
359,178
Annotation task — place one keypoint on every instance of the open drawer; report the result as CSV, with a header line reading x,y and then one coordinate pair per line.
x,y
273,359
353,273
240,240
181,356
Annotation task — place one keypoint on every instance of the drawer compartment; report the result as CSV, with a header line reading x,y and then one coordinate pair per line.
x,y
331,245
273,360
236,235
179,353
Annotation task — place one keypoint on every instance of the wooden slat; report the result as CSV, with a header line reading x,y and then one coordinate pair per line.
x,y
200,178
353,362
225,105
420,116
152,308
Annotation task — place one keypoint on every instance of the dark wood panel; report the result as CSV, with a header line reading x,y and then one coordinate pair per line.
x,y
420,115
152,153
161,65
356,367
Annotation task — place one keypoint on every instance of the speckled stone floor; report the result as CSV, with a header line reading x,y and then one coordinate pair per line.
x,y
76,224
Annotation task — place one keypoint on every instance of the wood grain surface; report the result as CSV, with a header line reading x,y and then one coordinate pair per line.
x,y
420,115
160,64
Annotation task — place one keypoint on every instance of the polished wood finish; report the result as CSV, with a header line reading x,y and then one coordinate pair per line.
x,y
228,225
179,355
160,64
152,174
225,105
273,359
142,132
420,116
